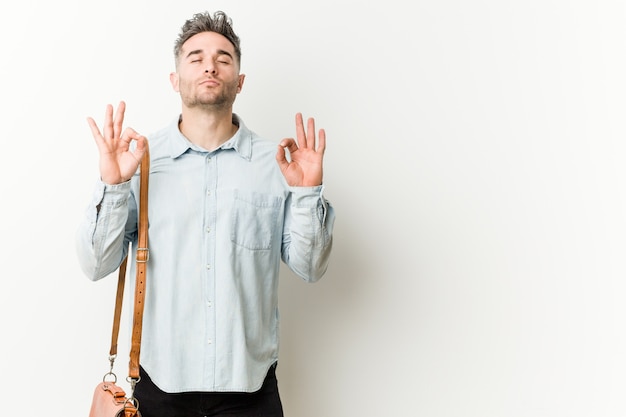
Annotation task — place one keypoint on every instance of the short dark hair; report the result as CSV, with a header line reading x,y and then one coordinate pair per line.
x,y
219,22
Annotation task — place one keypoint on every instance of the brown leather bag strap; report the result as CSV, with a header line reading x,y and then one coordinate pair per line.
x,y
142,261
140,283
118,310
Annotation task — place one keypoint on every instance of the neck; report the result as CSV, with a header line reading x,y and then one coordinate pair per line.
x,y
208,130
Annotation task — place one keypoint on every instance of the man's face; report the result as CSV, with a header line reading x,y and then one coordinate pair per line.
x,y
207,72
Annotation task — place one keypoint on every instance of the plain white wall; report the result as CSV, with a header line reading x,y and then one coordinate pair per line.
x,y
475,160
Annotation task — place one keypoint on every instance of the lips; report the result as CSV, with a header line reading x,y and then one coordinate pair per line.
x,y
210,83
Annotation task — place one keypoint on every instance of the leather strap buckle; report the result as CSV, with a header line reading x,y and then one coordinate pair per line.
x,y
143,254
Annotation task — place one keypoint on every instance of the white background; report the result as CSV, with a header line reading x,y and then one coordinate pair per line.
x,y
475,161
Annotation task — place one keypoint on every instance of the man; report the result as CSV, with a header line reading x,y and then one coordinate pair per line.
x,y
225,206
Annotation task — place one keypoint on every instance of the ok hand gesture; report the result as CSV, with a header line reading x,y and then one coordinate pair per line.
x,y
117,162
304,167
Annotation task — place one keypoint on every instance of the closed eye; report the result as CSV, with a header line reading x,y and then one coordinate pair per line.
x,y
195,55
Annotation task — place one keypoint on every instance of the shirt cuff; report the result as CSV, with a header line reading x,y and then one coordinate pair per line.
x,y
306,196
110,195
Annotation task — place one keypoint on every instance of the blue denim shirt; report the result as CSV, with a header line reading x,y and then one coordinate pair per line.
x,y
219,224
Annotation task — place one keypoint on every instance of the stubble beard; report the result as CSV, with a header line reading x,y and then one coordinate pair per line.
x,y
210,100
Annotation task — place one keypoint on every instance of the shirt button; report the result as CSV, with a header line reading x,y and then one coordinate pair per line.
x,y
208,230
209,341
208,266
209,303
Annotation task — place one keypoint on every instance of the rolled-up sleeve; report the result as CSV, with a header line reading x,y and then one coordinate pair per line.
x,y
103,233
307,235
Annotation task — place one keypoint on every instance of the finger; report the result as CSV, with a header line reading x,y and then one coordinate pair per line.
x,y
311,133
321,141
141,142
289,143
119,119
95,131
97,136
129,134
107,128
302,141
127,137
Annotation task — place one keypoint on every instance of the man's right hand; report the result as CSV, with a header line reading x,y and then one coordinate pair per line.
x,y
117,162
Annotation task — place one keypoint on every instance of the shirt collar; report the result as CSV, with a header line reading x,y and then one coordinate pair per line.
x,y
241,141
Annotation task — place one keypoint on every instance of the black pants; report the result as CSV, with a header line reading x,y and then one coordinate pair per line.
x,y
263,403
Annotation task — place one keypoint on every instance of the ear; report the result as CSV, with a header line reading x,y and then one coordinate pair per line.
x,y
174,81
242,77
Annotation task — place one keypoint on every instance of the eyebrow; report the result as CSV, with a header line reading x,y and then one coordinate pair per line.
x,y
200,51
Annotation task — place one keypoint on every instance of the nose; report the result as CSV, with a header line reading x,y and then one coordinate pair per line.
x,y
210,69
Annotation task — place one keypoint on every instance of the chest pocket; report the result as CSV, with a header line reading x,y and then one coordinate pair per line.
x,y
255,220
